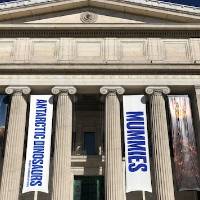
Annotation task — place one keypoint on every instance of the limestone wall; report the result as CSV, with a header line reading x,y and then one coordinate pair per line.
x,y
99,51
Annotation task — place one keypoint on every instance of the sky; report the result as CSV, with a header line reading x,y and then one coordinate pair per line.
x,y
185,2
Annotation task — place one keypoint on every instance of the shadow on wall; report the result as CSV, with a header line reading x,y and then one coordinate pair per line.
x,y
138,196
185,195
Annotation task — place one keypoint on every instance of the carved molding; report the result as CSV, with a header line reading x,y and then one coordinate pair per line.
x,y
64,89
100,33
88,17
109,89
157,90
18,89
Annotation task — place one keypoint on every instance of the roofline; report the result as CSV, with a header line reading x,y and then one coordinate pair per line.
x,y
167,5
142,7
151,3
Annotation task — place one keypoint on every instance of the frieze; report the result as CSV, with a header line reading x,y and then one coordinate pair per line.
x,y
100,51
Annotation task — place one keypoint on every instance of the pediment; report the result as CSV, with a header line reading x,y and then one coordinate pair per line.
x,y
107,11
90,15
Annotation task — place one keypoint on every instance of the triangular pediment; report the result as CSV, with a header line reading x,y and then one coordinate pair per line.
x,y
90,15
105,11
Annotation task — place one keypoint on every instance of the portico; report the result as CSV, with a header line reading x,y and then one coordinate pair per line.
x,y
88,54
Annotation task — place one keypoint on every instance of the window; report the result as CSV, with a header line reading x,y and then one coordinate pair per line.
x,y
89,143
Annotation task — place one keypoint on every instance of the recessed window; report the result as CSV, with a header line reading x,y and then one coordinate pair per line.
x,y
89,143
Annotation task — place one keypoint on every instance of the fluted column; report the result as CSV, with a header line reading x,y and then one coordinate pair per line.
x,y
10,183
113,151
160,144
63,139
196,115
197,91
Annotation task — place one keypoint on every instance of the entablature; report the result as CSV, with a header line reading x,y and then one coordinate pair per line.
x,y
90,83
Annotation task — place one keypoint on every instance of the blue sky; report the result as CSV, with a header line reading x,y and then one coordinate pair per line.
x,y
185,2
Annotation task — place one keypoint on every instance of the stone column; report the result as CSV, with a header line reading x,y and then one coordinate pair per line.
x,y
113,151
197,92
10,183
160,144
63,141
196,115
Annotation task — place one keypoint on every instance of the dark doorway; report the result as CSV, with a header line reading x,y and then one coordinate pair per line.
x,y
88,188
89,143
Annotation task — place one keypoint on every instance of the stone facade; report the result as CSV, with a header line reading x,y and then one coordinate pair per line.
x,y
88,47
127,51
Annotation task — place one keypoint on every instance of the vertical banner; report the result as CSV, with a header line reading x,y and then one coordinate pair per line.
x,y
138,176
36,175
184,144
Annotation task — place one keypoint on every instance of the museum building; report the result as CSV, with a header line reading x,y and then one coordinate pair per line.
x,y
87,54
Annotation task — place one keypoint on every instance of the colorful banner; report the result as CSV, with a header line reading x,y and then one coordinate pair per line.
x,y
36,175
138,176
184,145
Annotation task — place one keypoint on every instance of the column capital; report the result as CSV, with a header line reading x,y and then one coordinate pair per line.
x,y
18,89
109,89
64,89
159,90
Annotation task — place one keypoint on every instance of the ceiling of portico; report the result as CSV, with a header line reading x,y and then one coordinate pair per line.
x,y
108,11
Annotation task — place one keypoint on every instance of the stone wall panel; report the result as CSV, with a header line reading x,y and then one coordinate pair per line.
x,y
99,51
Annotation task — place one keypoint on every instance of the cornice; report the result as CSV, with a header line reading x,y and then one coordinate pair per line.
x,y
167,5
142,68
153,8
22,3
149,3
